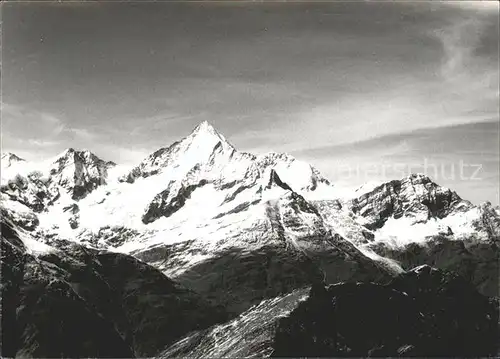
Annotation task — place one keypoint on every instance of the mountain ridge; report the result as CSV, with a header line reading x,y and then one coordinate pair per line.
x,y
200,198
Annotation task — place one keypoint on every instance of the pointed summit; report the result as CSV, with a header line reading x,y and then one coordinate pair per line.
x,y
82,156
208,133
205,126
204,147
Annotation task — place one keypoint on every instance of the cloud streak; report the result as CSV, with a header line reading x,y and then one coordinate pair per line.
x,y
25,129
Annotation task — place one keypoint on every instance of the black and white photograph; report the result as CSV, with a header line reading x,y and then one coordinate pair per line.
x,y
250,179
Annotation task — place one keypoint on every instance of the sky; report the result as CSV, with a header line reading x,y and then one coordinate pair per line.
x,y
362,90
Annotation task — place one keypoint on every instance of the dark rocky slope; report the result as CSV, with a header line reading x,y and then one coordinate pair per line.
x,y
238,278
250,335
475,260
424,312
78,302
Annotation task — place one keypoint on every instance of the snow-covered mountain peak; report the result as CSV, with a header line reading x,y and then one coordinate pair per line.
x,y
84,155
206,128
204,149
9,158
414,201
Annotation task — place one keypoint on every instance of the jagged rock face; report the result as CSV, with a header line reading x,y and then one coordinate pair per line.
x,y
153,163
21,216
488,221
475,260
79,172
75,172
235,230
424,313
108,237
415,196
333,213
169,201
71,301
8,159
205,155
287,245
34,191
237,277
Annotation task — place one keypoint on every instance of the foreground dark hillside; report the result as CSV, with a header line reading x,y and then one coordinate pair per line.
x,y
477,261
78,302
72,301
423,313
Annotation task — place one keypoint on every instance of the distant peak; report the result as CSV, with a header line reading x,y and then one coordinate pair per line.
x,y
84,155
70,151
11,157
419,177
65,153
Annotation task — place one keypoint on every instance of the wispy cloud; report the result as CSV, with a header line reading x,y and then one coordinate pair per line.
x,y
464,91
460,41
26,130
478,6
38,134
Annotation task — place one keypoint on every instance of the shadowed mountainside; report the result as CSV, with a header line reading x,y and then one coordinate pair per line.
x,y
78,302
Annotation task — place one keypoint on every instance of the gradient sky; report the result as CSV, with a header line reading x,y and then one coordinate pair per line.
x,y
362,90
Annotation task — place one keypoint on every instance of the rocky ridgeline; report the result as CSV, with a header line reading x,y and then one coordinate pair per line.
x,y
415,196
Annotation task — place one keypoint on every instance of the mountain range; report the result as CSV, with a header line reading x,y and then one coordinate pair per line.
x,y
202,250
